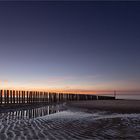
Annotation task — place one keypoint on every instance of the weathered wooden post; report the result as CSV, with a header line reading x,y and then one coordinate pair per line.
x,y
88,97
49,97
73,97
22,97
27,96
70,97
35,99
36,96
7,97
1,91
19,96
60,97
42,96
31,97
67,97
64,99
39,96
14,96
76,97
97,97
55,98
45,96
52,97
80,97
11,96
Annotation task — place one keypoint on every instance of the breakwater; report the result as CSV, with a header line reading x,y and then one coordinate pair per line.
x,y
31,97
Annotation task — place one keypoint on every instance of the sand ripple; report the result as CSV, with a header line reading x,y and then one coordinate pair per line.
x,y
70,125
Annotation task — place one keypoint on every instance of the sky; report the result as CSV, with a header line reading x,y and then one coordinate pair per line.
x,y
75,46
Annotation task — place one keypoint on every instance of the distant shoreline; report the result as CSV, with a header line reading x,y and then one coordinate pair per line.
x,y
123,106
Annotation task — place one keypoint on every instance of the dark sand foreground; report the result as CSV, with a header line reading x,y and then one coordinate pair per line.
x,y
129,106
72,123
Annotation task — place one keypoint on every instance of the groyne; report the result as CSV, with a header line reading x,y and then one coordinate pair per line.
x,y
32,97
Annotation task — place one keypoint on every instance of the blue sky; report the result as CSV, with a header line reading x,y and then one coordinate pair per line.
x,y
71,45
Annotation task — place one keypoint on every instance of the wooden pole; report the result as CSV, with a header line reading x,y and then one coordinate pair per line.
x,y
14,96
1,91
11,92
7,97
19,95
31,97
27,97
22,97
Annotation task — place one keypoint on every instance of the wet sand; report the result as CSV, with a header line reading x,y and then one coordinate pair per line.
x,y
68,123
123,106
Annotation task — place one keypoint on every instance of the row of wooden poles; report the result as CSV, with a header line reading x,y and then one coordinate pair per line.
x,y
21,97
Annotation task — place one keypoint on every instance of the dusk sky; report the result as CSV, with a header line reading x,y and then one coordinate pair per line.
x,y
70,45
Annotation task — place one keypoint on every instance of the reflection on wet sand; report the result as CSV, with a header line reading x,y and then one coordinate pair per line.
x,y
60,122
30,113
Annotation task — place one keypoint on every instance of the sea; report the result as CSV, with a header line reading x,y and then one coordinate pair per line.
x,y
124,95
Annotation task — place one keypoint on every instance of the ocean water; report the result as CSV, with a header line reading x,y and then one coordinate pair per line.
x,y
131,97
124,95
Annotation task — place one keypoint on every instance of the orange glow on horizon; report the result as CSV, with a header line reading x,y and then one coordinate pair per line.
x,y
64,90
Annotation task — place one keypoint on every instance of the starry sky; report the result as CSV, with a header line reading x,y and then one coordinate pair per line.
x,y
70,45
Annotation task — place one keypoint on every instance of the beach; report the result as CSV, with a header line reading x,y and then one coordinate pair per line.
x,y
71,121
122,106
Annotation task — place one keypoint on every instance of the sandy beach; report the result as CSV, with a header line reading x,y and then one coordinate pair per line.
x,y
129,106
71,121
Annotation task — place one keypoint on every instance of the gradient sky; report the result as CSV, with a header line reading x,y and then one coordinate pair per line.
x,y
70,45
